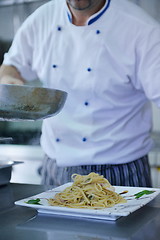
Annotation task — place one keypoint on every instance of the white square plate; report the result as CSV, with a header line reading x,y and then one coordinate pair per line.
x,y
113,213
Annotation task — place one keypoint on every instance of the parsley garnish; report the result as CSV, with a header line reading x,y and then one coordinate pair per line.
x,y
144,192
34,201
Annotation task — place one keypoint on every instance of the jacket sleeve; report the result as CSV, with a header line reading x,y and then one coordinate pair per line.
x,y
148,65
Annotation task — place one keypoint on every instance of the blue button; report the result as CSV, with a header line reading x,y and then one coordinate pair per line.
x,y
59,28
98,32
86,103
84,139
89,69
54,65
57,140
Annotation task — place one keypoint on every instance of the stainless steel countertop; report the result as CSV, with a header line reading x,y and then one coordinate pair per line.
x,y
22,223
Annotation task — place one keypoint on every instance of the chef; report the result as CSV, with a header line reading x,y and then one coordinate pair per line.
x,y
106,55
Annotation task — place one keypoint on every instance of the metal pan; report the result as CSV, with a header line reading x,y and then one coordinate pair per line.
x,y
6,170
21,102
6,139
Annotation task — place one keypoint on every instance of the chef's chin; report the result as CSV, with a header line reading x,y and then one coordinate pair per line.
x,y
80,4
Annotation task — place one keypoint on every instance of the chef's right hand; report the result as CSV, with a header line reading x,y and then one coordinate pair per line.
x,y
10,75
11,80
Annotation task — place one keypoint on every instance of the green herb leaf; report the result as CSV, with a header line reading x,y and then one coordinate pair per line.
x,y
90,197
34,201
144,192
88,180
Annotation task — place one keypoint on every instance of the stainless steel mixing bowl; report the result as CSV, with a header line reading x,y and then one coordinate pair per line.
x,y
22,102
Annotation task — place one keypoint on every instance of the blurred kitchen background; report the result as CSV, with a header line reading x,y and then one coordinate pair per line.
x,y
26,134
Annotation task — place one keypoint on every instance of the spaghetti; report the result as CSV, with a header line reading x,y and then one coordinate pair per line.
x,y
87,191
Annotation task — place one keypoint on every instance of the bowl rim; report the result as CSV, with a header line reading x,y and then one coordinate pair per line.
x,y
32,87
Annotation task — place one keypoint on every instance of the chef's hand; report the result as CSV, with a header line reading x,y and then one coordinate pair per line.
x,y
10,75
11,80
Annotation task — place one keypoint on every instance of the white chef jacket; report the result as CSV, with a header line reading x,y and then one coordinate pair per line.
x,y
110,69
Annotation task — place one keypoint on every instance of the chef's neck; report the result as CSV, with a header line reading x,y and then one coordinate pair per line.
x,y
80,16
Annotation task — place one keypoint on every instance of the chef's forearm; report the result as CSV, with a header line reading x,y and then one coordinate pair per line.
x,y
10,75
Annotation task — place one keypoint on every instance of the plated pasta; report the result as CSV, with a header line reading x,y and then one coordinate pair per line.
x,y
88,191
